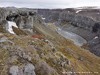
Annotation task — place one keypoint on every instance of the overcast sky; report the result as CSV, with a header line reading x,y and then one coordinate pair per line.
x,y
49,3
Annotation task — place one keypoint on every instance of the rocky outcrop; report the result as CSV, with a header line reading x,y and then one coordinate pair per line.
x,y
25,18
49,15
77,20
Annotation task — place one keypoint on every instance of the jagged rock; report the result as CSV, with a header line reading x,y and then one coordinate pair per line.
x,y
24,18
44,69
29,69
13,70
24,22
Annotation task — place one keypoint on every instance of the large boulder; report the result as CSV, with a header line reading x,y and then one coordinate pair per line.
x,y
14,70
43,68
29,69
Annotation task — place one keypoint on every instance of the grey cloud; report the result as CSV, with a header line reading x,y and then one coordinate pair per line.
x,y
49,3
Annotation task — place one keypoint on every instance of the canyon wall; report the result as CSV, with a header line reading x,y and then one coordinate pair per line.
x,y
84,22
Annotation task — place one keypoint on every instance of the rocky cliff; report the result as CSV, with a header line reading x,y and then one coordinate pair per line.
x,y
84,22
24,18
50,15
